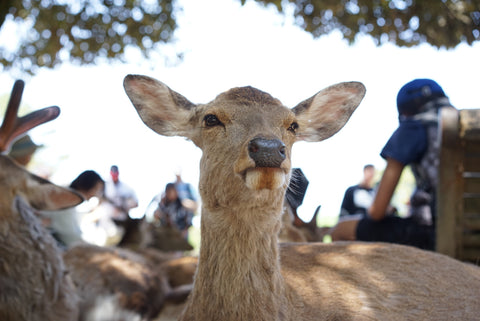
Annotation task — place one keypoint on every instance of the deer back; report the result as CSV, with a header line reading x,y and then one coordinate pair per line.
x,y
33,280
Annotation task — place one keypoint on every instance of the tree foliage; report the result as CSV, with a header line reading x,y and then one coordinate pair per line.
x,y
49,32
441,23
83,31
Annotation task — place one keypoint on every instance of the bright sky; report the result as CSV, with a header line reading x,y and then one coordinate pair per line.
x,y
227,45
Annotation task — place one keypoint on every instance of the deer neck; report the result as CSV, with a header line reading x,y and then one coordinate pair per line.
x,y
239,269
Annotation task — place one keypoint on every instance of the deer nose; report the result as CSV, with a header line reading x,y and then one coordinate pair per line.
x,y
266,152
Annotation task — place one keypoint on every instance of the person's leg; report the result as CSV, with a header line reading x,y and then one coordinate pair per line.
x,y
394,229
346,229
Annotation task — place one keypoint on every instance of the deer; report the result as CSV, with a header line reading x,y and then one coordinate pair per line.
x,y
243,273
139,235
132,282
40,281
295,229
34,281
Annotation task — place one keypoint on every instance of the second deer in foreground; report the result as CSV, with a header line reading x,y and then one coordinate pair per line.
x,y
34,283
243,274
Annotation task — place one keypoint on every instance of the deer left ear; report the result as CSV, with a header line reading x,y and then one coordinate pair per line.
x,y
324,114
44,195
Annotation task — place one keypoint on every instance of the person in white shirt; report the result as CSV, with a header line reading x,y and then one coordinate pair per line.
x,y
120,195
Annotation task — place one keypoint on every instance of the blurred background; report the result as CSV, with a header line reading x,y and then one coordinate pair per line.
x,y
75,54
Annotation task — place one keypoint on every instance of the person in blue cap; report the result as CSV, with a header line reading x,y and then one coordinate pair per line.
x,y
416,143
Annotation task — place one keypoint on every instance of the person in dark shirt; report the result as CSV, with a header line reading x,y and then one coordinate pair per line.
x,y
358,198
415,143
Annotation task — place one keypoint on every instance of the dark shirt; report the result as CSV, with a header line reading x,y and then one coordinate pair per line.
x,y
357,200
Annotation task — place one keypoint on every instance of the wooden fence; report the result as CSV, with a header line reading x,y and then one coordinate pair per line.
x,y
458,194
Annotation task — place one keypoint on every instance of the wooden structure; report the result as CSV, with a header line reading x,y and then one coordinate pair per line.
x,y
458,194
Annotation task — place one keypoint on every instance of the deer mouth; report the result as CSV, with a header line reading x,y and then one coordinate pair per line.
x,y
258,178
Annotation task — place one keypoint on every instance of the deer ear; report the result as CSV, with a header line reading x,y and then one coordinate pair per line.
x,y
324,114
162,109
38,192
44,195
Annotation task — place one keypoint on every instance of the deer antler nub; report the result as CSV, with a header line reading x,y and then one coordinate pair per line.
x,y
13,126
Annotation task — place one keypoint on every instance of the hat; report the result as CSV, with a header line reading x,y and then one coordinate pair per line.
x,y
22,147
413,95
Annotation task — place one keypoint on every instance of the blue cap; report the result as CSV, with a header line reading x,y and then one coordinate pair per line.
x,y
413,95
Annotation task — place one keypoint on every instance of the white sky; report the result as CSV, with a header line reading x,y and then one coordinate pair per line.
x,y
227,45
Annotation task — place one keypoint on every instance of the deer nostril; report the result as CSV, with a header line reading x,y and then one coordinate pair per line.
x,y
267,152
253,146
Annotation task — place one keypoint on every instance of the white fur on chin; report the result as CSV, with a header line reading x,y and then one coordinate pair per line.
x,y
265,178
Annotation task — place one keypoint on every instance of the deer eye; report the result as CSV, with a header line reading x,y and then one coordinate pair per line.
x,y
211,120
293,127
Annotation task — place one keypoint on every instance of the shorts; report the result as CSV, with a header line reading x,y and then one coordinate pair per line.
x,y
394,229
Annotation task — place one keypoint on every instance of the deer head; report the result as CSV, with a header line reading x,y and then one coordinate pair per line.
x,y
39,192
246,135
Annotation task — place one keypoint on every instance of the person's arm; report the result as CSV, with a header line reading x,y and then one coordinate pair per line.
x,y
189,204
388,183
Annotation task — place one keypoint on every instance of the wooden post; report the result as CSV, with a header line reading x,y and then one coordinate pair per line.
x,y
470,135
450,185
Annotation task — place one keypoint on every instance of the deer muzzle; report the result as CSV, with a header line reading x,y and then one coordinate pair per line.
x,y
267,152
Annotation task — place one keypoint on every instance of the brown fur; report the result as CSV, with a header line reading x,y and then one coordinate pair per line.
x,y
247,96
243,273
103,271
139,282
34,283
140,234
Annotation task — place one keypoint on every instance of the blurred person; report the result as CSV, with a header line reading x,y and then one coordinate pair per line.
x,y
358,198
65,224
186,193
172,213
416,143
120,195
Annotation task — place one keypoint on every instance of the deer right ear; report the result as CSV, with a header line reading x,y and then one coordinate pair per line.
x,y
160,108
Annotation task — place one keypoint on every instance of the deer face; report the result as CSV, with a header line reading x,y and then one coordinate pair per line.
x,y
246,135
